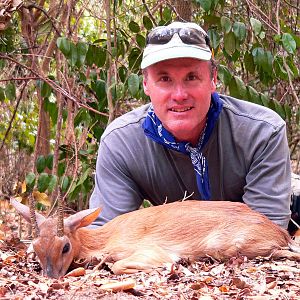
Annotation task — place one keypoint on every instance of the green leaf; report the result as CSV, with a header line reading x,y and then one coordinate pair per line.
x,y
205,4
30,181
65,184
226,24
264,100
258,56
267,62
279,109
249,62
43,182
140,40
10,91
82,49
224,75
134,27
239,30
134,59
46,90
288,43
241,88
229,43
100,88
61,169
2,95
167,14
253,95
122,73
133,84
288,112
49,161
52,183
214,38
73,55
95,55
40,164
147,23
256,26
64,45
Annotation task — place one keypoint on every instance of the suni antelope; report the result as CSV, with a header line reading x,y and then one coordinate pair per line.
x,y
147,238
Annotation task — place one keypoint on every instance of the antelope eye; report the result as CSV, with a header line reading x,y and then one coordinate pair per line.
x,y
66,248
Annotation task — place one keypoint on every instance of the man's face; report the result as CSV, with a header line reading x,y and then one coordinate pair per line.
x,y
180,92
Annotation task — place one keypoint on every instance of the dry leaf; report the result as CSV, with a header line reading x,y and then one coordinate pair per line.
x,y
76,272
117,286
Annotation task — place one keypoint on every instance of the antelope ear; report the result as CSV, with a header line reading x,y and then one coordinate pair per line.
x,y
82,218
25,212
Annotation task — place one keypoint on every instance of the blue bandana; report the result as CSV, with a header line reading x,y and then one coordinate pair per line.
x,y
154,129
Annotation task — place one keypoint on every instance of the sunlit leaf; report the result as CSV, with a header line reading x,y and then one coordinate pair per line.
x,y
64,45
229,42
288,43
239,30
30,180
226,24
256,25
133,84
42,198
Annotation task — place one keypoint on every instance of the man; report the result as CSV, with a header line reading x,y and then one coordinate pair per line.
x,y
190,140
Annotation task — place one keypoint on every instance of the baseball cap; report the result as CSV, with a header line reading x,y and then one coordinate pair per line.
x,y
176,40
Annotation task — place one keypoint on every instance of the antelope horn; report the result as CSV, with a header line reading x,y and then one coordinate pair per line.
x,y
33,220
60,219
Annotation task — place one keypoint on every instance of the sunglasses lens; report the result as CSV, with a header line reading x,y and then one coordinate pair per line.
x,y
160,36
191,36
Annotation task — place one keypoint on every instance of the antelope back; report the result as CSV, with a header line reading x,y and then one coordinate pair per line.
x,y
195,229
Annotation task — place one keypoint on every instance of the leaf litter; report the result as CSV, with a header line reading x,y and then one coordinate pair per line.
x,y
238,278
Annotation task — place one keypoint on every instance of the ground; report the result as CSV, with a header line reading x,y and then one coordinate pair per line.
x,y
238,278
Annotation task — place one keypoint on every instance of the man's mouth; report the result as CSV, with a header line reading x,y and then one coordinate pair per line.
x,y
180,109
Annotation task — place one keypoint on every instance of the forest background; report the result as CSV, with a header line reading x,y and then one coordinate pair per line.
x,y
68,68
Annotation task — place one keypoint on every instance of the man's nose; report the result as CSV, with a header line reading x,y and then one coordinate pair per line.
x,y
179,92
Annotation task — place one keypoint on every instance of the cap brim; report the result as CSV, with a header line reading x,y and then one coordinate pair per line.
x,y
180,51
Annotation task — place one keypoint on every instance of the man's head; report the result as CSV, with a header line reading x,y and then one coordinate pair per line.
x,y
179,78
176,40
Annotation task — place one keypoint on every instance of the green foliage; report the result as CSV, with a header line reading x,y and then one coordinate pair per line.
x,y
255,63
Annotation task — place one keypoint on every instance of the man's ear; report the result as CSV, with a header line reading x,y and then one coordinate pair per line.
x,y
146,90
214,81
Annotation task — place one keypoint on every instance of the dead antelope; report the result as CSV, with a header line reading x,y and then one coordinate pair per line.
x,y
144,239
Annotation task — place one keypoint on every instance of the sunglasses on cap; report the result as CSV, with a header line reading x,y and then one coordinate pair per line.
x,y
191,36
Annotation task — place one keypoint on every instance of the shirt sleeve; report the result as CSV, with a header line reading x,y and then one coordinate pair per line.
x,y
268,182
115,191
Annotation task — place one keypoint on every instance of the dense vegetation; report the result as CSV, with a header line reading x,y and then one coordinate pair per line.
x,y
70,67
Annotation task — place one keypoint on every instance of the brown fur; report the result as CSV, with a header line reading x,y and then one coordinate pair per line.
x,y
147,238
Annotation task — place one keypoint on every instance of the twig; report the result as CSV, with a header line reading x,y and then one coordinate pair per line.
x,y
55,86
149,13
13,116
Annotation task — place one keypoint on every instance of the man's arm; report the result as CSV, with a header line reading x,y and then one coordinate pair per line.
x,y
114,191
268,187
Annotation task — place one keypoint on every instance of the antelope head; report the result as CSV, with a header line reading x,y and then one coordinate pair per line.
x,y
55,252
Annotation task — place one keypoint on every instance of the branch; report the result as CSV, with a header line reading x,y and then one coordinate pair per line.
x,y
32,5
13,116
55,86
149,13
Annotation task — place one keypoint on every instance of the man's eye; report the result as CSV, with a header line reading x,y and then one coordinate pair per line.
x,y
165,78
191,77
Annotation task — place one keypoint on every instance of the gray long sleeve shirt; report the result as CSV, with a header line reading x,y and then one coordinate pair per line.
x,y
247,155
